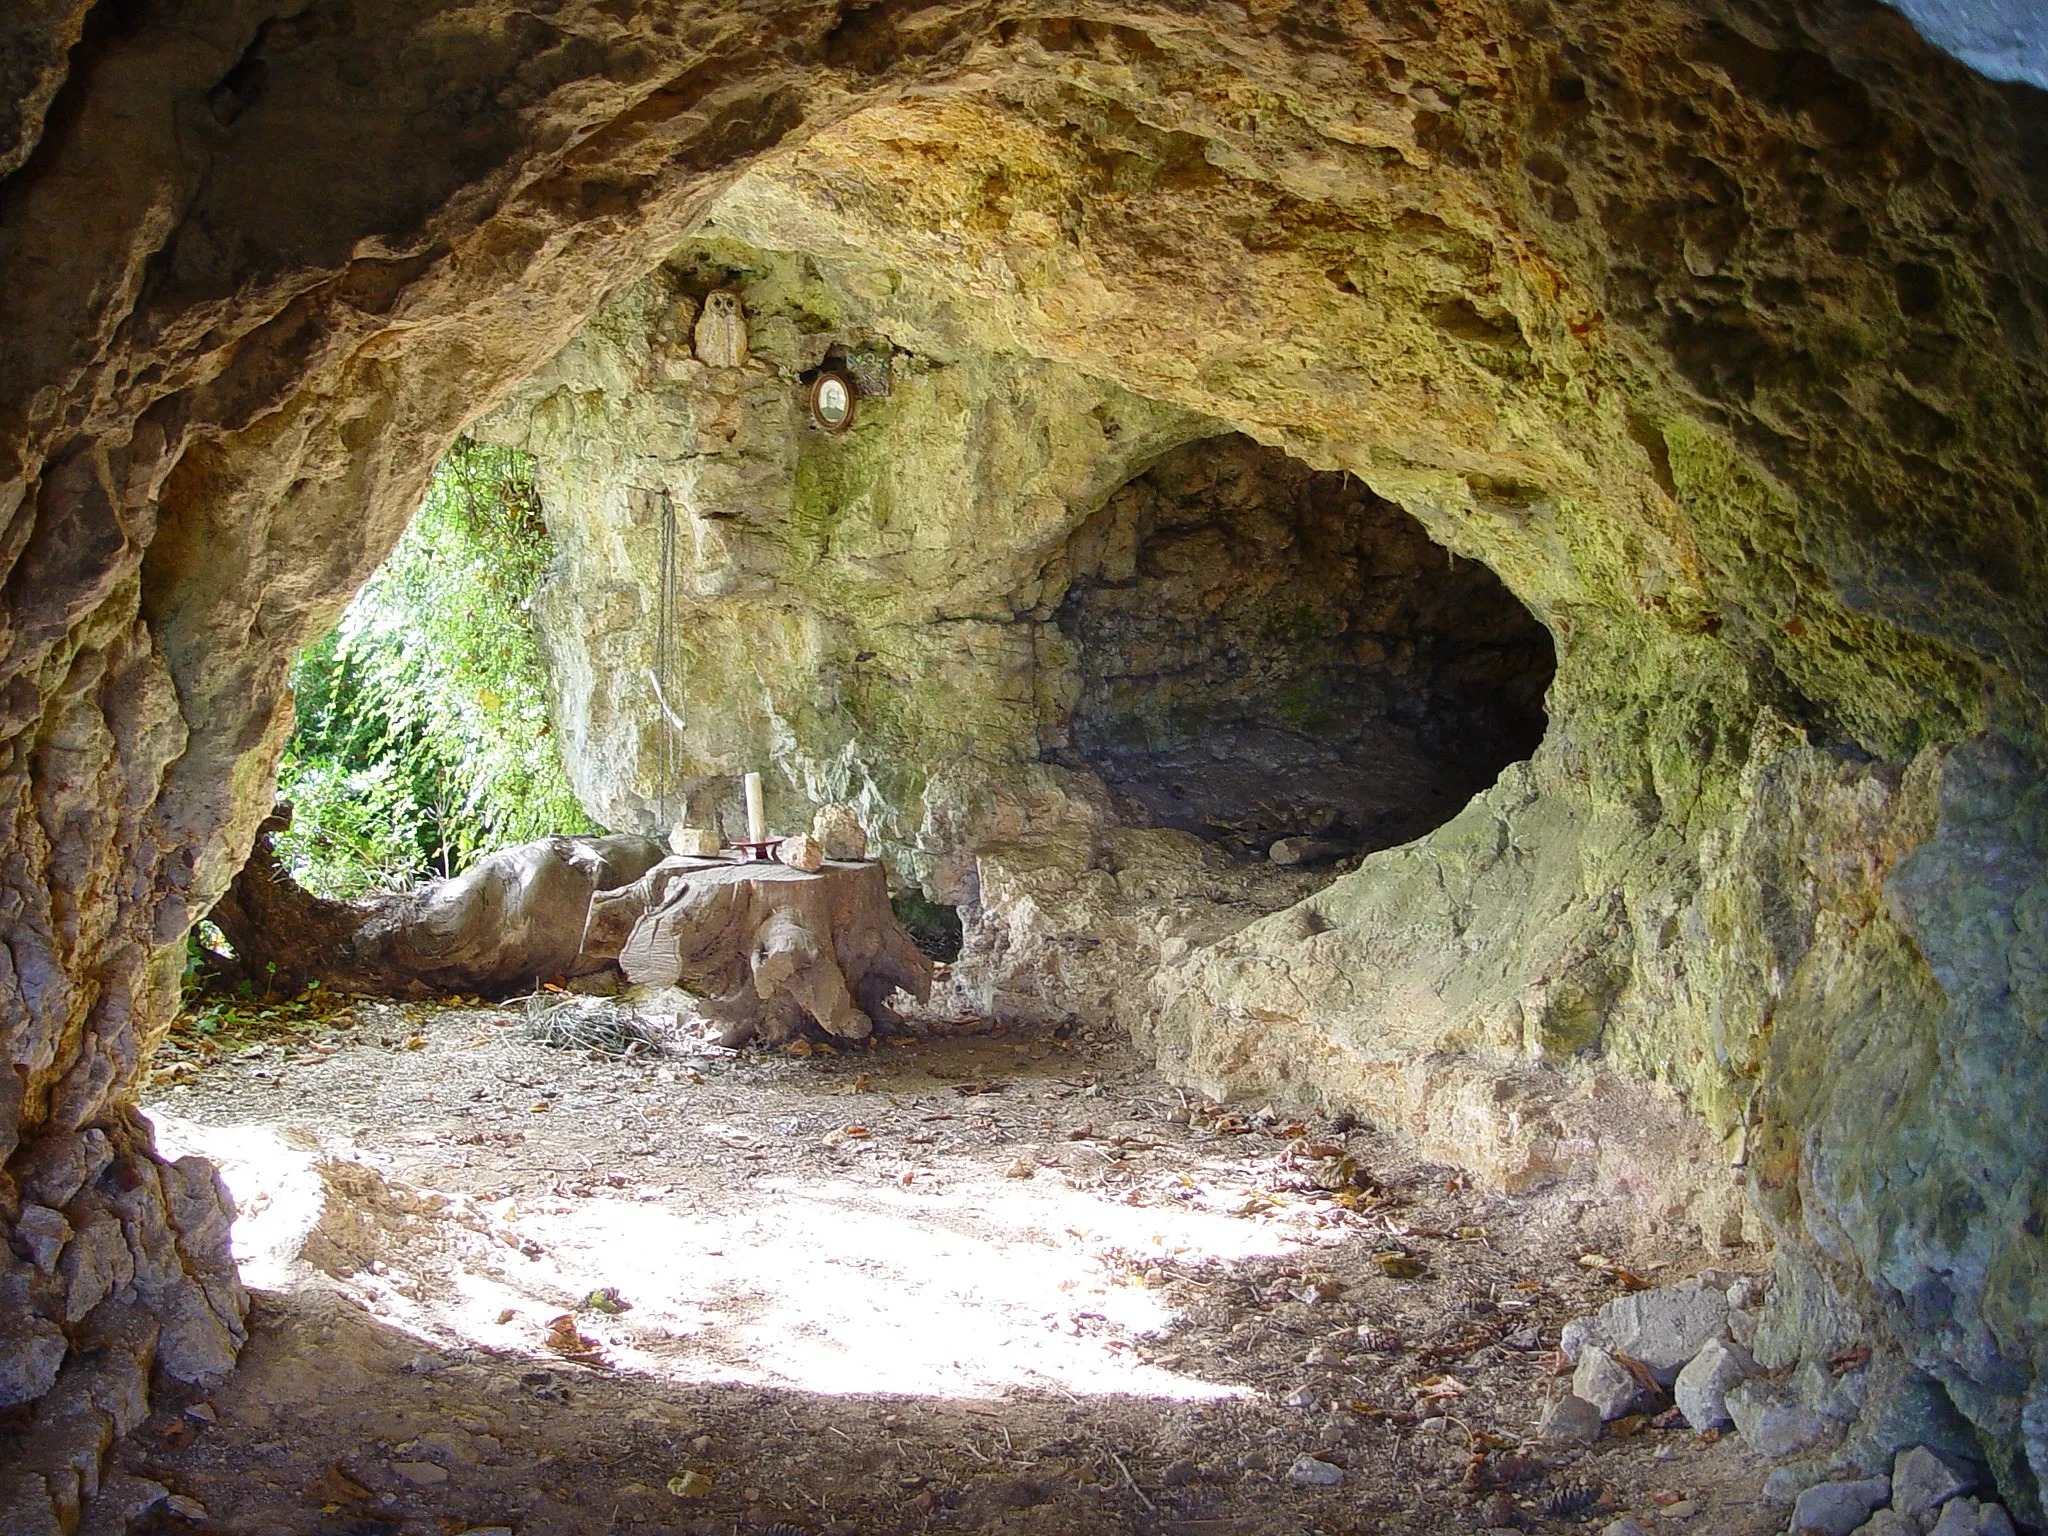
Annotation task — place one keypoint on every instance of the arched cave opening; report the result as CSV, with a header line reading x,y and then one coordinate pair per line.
x,y
1271,652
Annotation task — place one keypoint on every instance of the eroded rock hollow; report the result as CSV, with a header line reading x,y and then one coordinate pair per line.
x,y
1716,331
1263,650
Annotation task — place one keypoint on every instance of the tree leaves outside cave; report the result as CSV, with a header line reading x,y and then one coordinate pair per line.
x,y
423,737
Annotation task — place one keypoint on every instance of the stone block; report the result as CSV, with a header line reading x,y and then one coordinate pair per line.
x,y
1702,1387
1308,1472
1922,1482
1772,1421
1966,1517
32,1351
695,842
44,1233
1627,1525
1608,1385
802,852
1887,1522
1837,1509
1664,1328
839,832
1572,1419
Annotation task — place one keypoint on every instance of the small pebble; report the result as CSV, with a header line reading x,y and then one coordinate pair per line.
x,y
1307,1472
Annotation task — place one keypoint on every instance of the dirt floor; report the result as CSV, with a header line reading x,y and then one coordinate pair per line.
x,y
970,1281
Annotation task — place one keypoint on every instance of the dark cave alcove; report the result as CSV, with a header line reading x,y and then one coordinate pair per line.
x,y
1267,650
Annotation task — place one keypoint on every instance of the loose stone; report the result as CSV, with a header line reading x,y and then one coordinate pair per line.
x,y
1308,1472
1572,1419
1922,1482
1837,1509
1702,1387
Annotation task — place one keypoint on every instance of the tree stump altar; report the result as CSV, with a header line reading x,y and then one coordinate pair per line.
x,y
764,945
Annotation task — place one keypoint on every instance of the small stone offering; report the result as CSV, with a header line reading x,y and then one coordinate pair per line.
x,y
802,852
695,842
839,831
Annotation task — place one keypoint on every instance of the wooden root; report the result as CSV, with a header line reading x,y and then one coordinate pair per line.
x,y
511,920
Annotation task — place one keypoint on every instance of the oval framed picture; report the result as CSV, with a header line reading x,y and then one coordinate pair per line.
x,y
832,398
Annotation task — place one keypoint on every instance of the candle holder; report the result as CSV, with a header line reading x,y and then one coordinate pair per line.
x,y
762,852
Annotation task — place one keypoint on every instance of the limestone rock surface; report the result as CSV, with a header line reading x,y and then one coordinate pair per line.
x,y
1717,331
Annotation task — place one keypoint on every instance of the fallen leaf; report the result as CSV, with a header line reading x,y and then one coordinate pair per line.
x,y
1849,1359
1400,1266
335,1486
565,1340
1642,1373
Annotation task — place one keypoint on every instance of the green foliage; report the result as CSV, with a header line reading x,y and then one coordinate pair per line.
x,y
422,736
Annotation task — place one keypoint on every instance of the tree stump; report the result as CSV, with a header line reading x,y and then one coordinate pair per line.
x,y
765,945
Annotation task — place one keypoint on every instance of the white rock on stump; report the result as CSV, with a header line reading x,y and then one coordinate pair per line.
x,y
695,842
802,852
839,832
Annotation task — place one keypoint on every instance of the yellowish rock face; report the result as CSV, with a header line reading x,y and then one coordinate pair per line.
x,y
1717,333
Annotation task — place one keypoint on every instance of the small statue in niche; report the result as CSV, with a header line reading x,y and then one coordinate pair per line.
x,y
722,330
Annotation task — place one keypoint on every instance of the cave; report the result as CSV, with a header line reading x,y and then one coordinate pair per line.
x,y
1586,468
1266,651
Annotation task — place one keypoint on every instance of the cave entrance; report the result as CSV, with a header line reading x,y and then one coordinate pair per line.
x,y
1269,651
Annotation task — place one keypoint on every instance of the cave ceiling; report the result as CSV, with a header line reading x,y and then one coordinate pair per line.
x,y
1718,330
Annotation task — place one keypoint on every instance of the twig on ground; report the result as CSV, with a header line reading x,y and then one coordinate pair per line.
x,y
1133,1482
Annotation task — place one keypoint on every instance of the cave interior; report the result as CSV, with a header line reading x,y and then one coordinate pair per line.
x,y
1418,634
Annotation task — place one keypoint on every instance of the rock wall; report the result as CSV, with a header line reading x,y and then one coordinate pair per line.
x,y
1718,330
863,618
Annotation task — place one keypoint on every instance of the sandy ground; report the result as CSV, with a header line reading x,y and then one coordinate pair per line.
x,y
970,1281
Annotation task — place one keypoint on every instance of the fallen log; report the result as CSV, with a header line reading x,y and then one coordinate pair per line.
x,y
764,945
508,922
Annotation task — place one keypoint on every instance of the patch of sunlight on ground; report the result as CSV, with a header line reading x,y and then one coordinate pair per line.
x,y
837,1286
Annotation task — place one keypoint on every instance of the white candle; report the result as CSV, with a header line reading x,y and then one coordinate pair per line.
x,y
757,822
